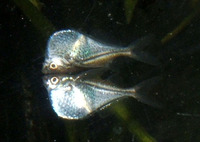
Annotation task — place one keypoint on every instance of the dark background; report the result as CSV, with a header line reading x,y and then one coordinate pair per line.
x,y
25,111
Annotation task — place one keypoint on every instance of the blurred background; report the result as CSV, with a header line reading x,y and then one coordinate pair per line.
x,y
25,111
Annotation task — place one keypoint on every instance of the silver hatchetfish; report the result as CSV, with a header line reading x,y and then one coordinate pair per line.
x,y
76,97
68,51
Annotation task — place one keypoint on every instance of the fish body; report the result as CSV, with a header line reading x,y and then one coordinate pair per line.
x,y
75,97
69,50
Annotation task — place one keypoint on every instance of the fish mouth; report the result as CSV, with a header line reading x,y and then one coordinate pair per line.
x,y
45,78
44,70
45,81
62,70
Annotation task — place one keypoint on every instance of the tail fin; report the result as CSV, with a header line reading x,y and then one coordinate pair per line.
x,y
141,91
137,50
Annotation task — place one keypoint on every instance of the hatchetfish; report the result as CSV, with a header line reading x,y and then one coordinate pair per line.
x,y
69,51
76,97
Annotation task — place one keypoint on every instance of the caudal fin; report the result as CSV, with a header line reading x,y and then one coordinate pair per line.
x,y
141,92
138,50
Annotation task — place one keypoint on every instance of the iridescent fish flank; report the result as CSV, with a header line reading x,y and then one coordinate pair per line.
x,y
75,97
70,51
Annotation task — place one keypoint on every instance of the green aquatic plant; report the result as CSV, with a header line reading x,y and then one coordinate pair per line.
x,y
133,125
184,23
32,12
129,7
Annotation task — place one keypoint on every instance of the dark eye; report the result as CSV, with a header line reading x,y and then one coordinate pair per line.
x,y
54,80
53,66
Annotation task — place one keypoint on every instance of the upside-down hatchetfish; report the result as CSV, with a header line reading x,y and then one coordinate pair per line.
x,y
69,51
75,97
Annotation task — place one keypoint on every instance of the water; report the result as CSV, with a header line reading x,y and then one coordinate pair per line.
x,y
26,112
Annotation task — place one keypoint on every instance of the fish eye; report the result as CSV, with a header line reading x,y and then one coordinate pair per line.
x,y
54,80
53,66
